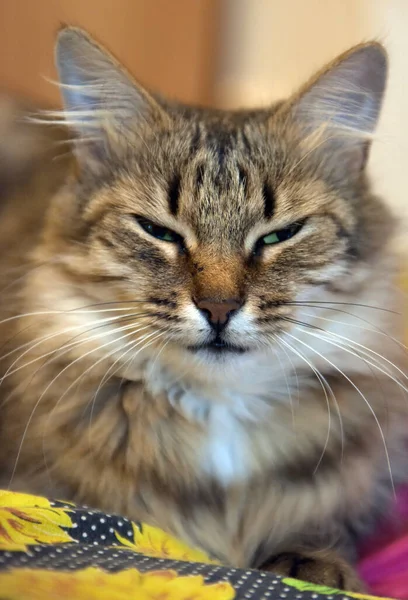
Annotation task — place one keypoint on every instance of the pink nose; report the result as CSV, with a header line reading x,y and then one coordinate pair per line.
x,y
218,312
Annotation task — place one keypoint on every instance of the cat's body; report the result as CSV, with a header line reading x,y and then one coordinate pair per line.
x,y
287,430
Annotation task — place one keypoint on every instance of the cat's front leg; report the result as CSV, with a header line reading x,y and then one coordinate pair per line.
x,y
322,567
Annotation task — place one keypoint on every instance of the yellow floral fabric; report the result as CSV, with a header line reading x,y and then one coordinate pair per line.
x,y
94,584
154,542
57,550
26,520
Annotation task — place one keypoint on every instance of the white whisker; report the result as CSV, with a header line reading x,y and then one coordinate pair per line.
x,y
364,351
283,371
52,382
360,393
355,325
62,350
127,364
64,331
68,312
109,372
133,344
66,347
323,382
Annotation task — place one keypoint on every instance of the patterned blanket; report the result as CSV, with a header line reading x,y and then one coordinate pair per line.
x,y
51,550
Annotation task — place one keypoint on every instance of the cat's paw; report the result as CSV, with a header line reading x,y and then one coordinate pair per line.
x,y
324,567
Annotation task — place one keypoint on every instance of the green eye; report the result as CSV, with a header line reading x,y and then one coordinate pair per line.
x,y
276,237
159,232
271,238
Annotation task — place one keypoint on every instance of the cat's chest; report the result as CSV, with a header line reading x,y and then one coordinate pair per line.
x,y
230,430
226,452
235,426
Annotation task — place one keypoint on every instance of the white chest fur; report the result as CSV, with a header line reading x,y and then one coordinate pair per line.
x,y
226,448
228,416
226,453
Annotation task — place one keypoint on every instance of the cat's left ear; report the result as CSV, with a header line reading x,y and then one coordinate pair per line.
x,y
338,109
107,109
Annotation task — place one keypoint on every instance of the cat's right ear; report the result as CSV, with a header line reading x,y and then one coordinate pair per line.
x,y
104,106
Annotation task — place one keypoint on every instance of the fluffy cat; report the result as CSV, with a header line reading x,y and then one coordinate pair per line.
x,y
204,333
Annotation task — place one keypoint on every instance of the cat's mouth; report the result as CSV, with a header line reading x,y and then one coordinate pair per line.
x,y
218,346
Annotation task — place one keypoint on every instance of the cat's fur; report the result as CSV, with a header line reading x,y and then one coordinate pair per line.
x,y
288,444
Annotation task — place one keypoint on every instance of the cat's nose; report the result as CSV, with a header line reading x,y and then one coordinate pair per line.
x,y
218,312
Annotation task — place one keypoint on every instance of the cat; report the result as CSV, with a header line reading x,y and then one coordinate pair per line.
x,y
204,331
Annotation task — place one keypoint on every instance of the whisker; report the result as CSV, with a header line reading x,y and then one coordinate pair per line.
x,y
372,329
160,351
287,384
66,347
294,370
155,335
323,382
62,350
359,392
319,303
109,373
37,341
133,344
364,351
91,352
48,387
110,303
48,313
373,366
302,323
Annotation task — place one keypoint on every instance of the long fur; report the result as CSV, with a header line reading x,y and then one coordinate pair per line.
x,y
296,440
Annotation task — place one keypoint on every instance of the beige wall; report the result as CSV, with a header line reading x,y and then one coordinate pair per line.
x,y
269,46
390,154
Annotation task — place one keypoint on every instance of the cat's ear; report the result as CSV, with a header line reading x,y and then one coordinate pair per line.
x,y
338,109
106,108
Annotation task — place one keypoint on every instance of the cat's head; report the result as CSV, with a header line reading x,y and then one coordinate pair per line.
x,y
209,226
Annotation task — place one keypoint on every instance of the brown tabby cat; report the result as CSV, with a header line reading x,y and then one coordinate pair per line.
x,y
203,331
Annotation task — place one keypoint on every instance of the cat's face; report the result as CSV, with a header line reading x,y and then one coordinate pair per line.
x,y
214,226
215,238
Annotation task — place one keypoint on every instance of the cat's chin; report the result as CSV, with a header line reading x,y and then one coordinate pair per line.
x,y
219,350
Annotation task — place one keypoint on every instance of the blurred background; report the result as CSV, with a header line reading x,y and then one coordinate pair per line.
x,y
225,53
